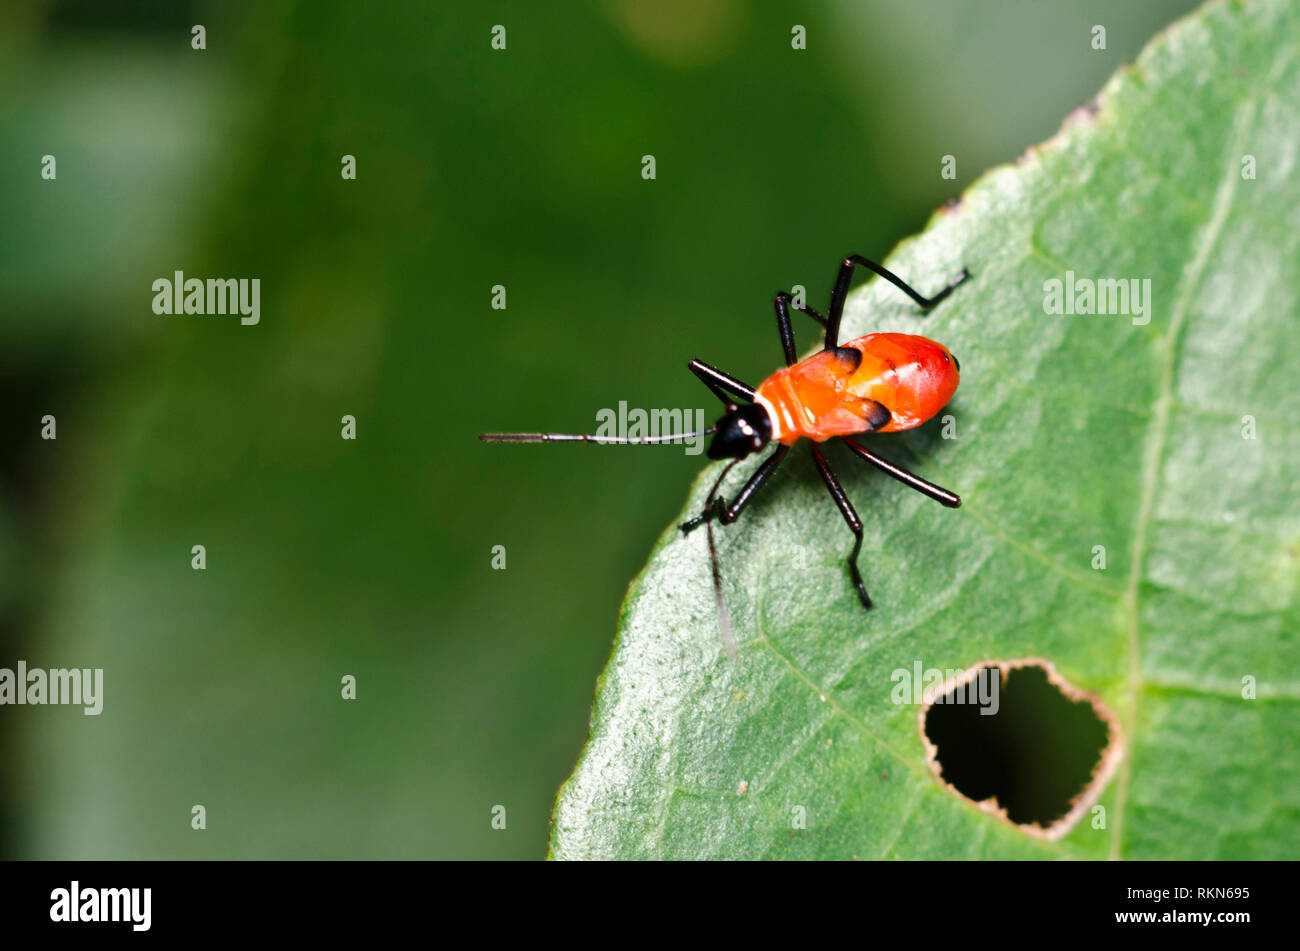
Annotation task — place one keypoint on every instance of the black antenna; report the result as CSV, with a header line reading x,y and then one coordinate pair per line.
x,y
603,440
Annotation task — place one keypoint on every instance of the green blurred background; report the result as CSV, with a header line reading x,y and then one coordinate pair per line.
x,y
328,557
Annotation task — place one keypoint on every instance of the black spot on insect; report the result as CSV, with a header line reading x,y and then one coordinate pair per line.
x,y
876,415
848,357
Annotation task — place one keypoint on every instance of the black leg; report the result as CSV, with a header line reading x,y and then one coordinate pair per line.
x,y
803,309
850,516
726,514
782,305
842,290
938,493
721,383
810,312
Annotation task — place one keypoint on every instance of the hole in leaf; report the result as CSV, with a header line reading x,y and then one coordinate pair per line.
x,y
1039,761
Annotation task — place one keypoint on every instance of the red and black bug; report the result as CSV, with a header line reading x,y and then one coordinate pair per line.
x,y
878,383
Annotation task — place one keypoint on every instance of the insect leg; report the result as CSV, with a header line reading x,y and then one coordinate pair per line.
x,y
721,383
784,300
850,516
782,305
810,312
929,489
841,291
727,514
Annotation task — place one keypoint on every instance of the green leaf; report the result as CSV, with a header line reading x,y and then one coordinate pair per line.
x,y
1072,432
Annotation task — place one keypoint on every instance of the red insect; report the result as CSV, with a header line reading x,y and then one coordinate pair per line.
x,y
879,383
